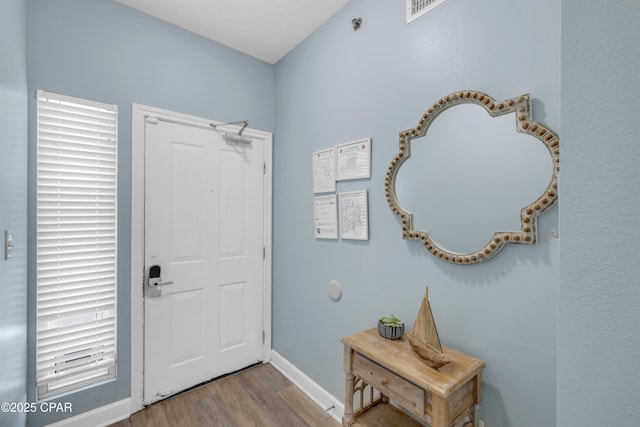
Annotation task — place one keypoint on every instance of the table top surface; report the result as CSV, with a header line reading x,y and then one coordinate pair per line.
x,y
398,356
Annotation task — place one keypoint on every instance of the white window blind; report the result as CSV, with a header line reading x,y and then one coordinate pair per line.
x,y
76,249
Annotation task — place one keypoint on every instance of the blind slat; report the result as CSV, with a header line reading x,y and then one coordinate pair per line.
x,y
102,336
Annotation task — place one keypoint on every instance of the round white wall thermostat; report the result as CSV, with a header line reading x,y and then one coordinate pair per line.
x,y
335,290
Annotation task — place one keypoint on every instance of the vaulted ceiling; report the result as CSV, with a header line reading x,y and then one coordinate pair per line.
x,y
264,29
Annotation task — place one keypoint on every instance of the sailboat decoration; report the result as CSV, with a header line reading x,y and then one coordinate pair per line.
x,y
424,336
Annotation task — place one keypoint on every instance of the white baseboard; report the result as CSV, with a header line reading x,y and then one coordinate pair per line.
x,y
99,417
319,395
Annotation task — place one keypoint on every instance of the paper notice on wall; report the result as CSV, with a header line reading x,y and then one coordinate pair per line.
x,y
326,217
324,171
354,215
354,160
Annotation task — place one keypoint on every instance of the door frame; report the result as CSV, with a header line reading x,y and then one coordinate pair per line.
x,y
139,113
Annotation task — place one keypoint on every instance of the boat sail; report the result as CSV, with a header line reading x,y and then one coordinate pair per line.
x,y
424,336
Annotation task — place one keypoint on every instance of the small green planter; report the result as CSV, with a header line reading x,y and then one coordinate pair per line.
x,y
391,327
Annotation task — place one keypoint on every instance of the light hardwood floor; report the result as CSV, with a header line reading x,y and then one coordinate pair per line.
x,y
258,396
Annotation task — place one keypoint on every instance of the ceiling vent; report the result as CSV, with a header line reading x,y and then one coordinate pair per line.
x,y
417,8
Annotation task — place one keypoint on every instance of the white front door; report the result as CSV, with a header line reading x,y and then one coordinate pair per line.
x,y
204,229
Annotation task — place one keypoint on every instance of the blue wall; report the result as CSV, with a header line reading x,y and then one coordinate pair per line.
x,y
102,50
599,301
13,206
340,85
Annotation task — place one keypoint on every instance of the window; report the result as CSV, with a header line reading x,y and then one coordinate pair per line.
x,y
76,243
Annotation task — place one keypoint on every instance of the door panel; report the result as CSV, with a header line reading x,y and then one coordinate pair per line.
x,y
186,327
232,304
204,228
232,200
187,169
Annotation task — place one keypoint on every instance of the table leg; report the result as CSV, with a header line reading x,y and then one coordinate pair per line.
x,y
348,419
478,398
440,416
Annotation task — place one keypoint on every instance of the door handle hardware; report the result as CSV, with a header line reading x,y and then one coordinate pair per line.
x,y
152,290
155,281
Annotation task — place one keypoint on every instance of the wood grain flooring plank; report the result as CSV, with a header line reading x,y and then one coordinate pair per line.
x,y
259,396
308,410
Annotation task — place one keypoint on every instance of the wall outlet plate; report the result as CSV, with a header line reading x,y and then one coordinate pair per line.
x,y
8,244
481,423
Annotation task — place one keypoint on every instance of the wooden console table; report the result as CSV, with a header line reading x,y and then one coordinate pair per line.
x,y
378,370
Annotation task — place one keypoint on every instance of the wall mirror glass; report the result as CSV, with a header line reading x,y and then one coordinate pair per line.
x,y
475,178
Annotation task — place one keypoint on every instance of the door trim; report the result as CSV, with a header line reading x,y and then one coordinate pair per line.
x,y
138,116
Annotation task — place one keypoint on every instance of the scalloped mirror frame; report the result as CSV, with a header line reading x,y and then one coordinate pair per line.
x,y
521,106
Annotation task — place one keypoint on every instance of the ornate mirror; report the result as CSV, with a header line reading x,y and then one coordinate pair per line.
x,y
470,164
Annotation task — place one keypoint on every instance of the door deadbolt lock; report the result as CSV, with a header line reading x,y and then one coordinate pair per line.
x,y
154,283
